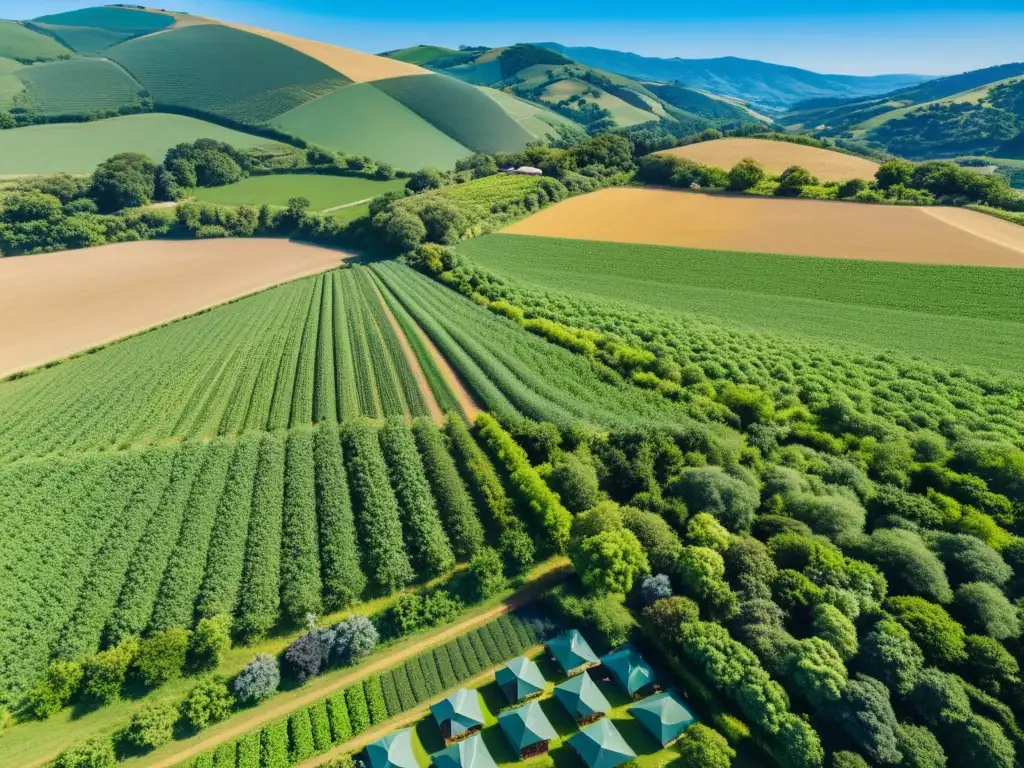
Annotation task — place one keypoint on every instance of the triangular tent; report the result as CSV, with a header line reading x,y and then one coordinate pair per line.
x,y
629,668
459,713
520,678
601,745
571,651
526,725
581,697
471,753
392,751
665,715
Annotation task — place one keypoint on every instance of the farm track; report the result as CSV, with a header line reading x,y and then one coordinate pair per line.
x,y
524,597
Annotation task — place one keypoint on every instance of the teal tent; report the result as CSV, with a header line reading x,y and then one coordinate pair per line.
x,y
520,678
571,651
459,714
471,753
582,698
601,745
526,726
665,715
392,751
629,669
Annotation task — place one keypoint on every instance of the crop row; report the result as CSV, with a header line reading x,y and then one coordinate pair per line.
x,y
318,349
268,528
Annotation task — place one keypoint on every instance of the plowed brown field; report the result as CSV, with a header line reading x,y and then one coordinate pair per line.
x,y
786,226
55,304
777,156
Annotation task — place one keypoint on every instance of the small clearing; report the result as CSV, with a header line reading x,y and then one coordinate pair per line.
x,y
785,226
56,304
323,191
777,156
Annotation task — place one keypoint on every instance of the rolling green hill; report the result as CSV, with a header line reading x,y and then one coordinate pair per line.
x,y
425,54
27,46
92,30
77,86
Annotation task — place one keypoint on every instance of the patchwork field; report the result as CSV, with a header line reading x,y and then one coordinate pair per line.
x,y
623,113
776,156
80,147
961,315
74,301
321,191
24,45
362,120
774,225
78,86
534,118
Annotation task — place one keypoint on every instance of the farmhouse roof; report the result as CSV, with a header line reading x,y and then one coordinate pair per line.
x,y
581,697
392,751
601,745
629,668
665,715
519,678
571,651
471,753
526,725
462,709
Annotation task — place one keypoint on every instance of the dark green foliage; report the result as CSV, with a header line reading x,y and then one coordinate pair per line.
x,y
931,627
127,180
104,673
984,609
745,174
711,489
321,725
444,667
660,542
940,699
969,559
980,743
274,746
836,517
829,623
665,617
97,752
430,673
575,482
487,651
889,654
404,688
208,702
358,713
848,760
515,643
990,666
300,736
300,551
908,565
376,507
817,671
497,635
161,656
416,680
378,700
453,500
865,713
919,747
487,573
152,726
391,700
211,639
464,660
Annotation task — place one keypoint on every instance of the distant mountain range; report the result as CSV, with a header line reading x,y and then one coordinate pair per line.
x,y
771,87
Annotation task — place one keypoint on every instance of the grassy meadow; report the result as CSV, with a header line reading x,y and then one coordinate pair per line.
x,y
321,191
78,86
960,315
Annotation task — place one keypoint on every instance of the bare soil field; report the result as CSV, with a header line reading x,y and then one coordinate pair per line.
x,y
56,304
777,156
357,66
784,226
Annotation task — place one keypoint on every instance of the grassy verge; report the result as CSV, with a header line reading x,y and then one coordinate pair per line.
x,y
999,213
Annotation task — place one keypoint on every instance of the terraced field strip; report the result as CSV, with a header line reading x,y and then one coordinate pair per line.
x,y
774,225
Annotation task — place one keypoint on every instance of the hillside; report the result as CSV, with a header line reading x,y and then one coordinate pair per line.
x,y
120,61
764,85
975,113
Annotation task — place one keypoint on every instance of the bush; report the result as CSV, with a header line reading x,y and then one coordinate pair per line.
x,y
575,482
248,755
306,657
274,746
829,623
162,655
152,726
358,712
701,574
919,747
817,671
97,752
487,576
990,666
980,742
104,673
659,541
258,681
355,639
208,702
931,627
665,617
321,723
300,736
745,174
337,713
702,530
378,702
984,609
654,588
940,699
836,517
609,562
793,180
712,490
889,654
210,641
54,690
908,565
703,747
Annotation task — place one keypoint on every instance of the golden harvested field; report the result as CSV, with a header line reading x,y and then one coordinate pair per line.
x,y
357,66
785,226
55,304
777,156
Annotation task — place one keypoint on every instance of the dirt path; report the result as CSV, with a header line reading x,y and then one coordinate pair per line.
x,y
470,410
346,205
410,359
178,753
988,228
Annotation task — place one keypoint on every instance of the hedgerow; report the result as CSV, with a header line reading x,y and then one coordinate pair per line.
x,y
358,713
321,725
274,746
416,680
376,704
337,711
444,667
300,551
403,687
300,736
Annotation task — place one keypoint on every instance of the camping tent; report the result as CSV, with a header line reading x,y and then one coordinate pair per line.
x,y
527,726
601,745
629,669
392,751
459,714
571,651
520,678
582,698
665,715
471,753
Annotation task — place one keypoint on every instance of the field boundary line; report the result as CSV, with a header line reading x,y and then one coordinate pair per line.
x,y
410,360
346,205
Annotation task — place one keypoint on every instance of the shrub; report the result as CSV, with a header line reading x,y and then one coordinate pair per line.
x,y
54,690
307,656
745,174
931,627
919,747
444,668
337,713
487,576
575,482
659,541
300,736
793,180
836,517
224,755
865,713
829,623
104,673
703,747
654,588
439,607
274,746
990,666
609,562
258,681
701,573
968,559
702,530
97,752
817,671
908,565
162,655
321,724
208,702
712,490
848,760
981,742
248,755
355,639
940,699
358,713
984,609
889,654
666,616
152,726
378,708
210,641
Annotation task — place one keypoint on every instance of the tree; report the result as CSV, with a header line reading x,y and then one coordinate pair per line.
x,y
749,567
968,559
22,207
940,698
208,702
210,641
604,516
919,747
701,573
575,482
258,681
355,639
306,657
817,671
931,627
703,747
711,489
894,172
152,726
836,517
990,666
848,760
865,713
703,530
981,743
104,673
659,541
793,180
486,573
829,623
425,179
402,229
54,690
97,752
667,615
983,608
162,656
909,566
745,174
127,180
654,588
889,654
609,562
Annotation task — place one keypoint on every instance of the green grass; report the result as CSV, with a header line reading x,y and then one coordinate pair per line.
x,y
477,73
225,72
492,190
127,21
23,44
458,110
623,113
361,120
78,86
87,41
321,191
536,119
80,147
423,54
345,215
10,85
966,315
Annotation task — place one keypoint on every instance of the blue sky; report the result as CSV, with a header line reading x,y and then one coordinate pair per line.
x,y
866,37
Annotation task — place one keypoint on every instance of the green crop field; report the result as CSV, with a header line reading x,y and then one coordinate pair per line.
x,y
534,118
126,21
423,54
24,45
77,87
225,72
80,147
459,110
967,315
345,215
361,120
10,84
499,190
88,41
321,191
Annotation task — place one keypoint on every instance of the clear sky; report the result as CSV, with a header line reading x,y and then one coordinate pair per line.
x,y
861,37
